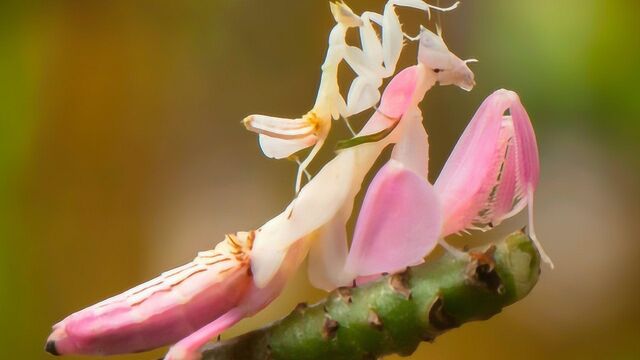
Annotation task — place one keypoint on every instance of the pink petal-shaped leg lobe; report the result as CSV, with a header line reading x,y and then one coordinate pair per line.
x,y
399,223
493,170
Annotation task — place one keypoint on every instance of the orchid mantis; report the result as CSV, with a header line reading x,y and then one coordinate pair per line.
x,y
282,137
244,273
196,302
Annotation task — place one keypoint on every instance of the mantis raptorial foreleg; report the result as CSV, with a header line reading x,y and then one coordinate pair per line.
x,y
375,61
363,94
392,34
382,55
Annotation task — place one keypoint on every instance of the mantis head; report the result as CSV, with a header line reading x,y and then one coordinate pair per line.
x,y
449,68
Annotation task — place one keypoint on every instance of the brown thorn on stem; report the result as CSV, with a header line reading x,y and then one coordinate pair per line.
x,y
427,337
481,271
329,327
439,319
301,308
345,294
399,284
373,319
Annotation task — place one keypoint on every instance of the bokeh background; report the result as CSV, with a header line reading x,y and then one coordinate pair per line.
x,y
122,153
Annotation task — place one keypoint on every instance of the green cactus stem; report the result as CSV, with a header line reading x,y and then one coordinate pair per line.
x,y
396,312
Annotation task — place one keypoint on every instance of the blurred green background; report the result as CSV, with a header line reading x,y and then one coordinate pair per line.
x,y
122,153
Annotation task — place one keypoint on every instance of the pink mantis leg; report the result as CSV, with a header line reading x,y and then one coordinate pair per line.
x,y
190,347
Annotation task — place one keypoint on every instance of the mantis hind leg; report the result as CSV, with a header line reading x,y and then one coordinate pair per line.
x,y
348,124
306,172
314,151
190,347
454,251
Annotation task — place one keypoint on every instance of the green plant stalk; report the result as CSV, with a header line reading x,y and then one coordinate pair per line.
x,y
396,312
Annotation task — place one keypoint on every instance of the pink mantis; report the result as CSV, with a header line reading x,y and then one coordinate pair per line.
x,y
490,176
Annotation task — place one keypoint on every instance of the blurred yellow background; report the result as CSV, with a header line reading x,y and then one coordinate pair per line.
x,y
122,153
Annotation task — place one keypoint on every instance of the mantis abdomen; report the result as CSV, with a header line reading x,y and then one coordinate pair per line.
x,y
162,311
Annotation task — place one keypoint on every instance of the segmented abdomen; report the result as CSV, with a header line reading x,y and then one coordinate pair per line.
x,y
163,310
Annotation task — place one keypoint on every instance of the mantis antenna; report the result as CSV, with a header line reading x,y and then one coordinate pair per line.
x,y
346,121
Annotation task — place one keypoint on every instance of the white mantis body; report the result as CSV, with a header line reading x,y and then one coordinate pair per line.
x,y
376,60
